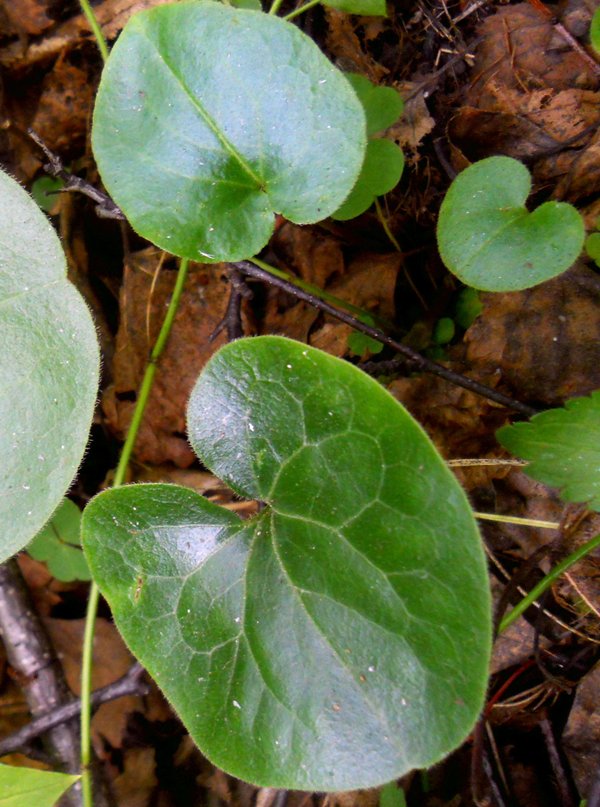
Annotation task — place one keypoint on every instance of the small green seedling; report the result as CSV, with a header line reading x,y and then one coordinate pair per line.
x,y
23,787
44,191
59,545
467,308
592,247
384,160
222,144
341,637
488,238
563,448
49,367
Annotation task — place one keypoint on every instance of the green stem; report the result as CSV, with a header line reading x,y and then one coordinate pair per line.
x,y
95,27
321,294
521,522
385,226
120,473
547,581
302,9
276,5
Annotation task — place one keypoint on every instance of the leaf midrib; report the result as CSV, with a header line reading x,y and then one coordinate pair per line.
x,y
208,120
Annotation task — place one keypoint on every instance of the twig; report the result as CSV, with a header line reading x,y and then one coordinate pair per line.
x,y
32,657
420,362
232,319
128,684
105,207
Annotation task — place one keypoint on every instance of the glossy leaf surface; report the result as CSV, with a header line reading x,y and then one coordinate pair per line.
x,y
59,544
48,370
562,447
490,241
341,637
25,787
211,119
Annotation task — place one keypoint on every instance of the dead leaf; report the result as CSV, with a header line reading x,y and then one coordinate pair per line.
x,y
542,342
27,16
415,122
346,47
162,434
581,736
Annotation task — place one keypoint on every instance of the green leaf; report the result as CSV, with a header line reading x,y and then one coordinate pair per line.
x,y
489,240
382,105
444,331
342,636
467,308
59,544
595,31
373,8
381,172
211,119
24,787
48,370
361,343
44,191
563,448
392,796
384,160
592,247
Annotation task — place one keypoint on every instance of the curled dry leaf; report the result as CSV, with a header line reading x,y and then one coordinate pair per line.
x,y
532,97
581,737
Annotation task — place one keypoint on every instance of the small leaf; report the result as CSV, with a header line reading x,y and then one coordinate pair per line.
x,y
444,331
468,307
384,160
563,448
48,370
45,193
392,796
341,637
372,8
489,240
360,343
24,787
382,105
595,31
59,545
200,145
381,172
592,247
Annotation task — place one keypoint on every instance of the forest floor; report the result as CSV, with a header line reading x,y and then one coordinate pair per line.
x,y
478,79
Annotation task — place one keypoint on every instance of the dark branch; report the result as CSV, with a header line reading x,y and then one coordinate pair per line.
x,y
418,361
129,684
105,207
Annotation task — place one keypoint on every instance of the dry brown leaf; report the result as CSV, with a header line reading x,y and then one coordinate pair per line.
x,y
532,97
415,122
27,16
543,342
346,47
203,303
136,785
581,737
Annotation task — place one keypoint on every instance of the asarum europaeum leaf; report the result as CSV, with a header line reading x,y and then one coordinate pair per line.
x,y
488,238
210,119
49,366
563,448
340,637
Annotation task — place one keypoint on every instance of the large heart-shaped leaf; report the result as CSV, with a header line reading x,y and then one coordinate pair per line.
x,y
48,370
563,448
209,119
339,638
489,240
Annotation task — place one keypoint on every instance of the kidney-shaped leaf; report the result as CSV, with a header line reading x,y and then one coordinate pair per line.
x,y
59,544
563,448
48,370
23,787
210,119
488,238
339,638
